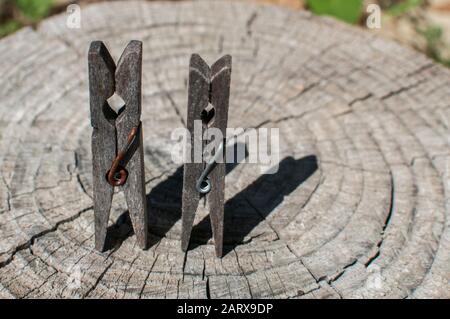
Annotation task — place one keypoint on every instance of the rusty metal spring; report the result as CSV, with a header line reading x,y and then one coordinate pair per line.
x,y
117,175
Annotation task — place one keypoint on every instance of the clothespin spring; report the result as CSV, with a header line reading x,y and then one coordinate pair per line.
x,y
203,184
117,175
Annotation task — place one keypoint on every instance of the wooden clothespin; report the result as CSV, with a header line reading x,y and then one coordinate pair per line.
x,y
118,158
209,91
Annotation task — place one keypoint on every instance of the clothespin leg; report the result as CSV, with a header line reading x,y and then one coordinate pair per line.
x,y
103,147
216,206
190,200
134,190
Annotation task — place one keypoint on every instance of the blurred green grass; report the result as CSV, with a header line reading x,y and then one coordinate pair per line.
x,y
15,14
347,10
397,9
34,9
352,11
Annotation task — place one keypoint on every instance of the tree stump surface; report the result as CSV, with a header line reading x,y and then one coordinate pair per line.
x,y
358,208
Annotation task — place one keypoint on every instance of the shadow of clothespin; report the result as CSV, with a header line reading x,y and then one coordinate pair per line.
x,y
118,158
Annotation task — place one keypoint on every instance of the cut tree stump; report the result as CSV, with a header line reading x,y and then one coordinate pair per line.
x,y
358,208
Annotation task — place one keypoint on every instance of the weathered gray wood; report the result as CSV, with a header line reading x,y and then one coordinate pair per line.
x,y
359,207
198,99
206,86
128,86
101,87
111,133
220,94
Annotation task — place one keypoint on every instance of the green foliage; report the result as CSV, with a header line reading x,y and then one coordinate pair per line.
x,y
34,9
346,10
8,27
433,34
31,11
403,7
433,37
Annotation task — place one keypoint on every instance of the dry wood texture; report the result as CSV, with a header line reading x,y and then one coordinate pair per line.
x,y
359,207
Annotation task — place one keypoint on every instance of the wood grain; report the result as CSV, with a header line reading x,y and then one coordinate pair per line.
x,y
220,94
359,207
101,86
198,99
128,86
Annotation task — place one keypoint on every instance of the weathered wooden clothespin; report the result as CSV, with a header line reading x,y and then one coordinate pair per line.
x,y
118,158
209,91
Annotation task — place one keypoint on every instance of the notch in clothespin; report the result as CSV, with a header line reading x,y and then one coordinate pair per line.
x,y
208,100
117,149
